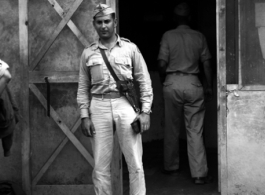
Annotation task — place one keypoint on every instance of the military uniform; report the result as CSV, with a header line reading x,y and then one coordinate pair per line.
x,y
99,99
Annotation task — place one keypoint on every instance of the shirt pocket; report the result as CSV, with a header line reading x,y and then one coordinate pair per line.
x,y
124,65
197,84
95,66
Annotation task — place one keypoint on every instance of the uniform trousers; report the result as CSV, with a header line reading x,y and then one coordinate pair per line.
x,y
108,115
7,137
183,95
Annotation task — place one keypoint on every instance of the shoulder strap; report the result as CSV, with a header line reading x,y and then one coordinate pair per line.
x,y
108,64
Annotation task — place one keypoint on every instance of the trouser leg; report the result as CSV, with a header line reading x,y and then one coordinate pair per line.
x,y
173,119
194,111
7,142
102,144
131,145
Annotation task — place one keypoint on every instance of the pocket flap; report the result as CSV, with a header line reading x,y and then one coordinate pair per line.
x,y
197,84
95,61
122,60
167,83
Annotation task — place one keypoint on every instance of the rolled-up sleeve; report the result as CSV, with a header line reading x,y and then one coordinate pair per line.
x,y
142,76
83,92
164,49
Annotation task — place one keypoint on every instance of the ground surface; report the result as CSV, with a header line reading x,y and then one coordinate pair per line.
x,y
159,184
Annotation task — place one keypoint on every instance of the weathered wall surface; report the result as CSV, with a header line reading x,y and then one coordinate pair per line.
x,y
69,167
246,142
63,55
10,167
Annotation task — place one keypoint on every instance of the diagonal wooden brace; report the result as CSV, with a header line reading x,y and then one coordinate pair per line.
x,y
55,33
63,127
70,24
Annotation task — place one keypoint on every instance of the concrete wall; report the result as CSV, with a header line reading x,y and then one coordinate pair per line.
x,y
246,142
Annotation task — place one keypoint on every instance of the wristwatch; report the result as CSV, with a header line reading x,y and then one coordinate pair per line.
x,y
146,112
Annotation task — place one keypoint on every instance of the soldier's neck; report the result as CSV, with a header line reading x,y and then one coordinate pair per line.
x,y
109,43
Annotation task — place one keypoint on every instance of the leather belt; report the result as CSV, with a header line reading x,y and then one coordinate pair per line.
x,y
183,74
111,95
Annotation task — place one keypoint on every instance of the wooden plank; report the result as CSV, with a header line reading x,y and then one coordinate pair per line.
x,y
54,155
252,88
24,54
54,77
63,127
70,24
63,189
221,98
55,33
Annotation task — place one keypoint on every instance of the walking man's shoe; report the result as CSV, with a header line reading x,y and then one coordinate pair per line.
x,y
203,180
171,172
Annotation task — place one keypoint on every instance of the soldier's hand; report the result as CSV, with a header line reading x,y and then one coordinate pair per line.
x,y
87,127
145,122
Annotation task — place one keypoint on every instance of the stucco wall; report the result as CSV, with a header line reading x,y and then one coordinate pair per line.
x,y
246,142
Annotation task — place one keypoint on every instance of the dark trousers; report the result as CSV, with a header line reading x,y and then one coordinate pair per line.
x,y
7,138
184,97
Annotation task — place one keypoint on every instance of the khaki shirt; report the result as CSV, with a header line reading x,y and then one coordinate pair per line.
x,y
182,48
95,78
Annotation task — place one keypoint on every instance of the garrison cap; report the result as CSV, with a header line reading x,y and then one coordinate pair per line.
x,y
182,9
102,10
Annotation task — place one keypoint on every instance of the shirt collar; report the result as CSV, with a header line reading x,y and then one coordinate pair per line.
x,y
183,27
98,43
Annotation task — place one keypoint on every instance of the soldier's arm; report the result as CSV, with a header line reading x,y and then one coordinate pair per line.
x,y
4,80
162,66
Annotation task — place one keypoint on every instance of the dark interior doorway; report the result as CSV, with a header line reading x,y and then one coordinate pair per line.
x,y
144,22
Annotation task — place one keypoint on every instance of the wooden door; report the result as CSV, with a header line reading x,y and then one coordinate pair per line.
x,y
241,102
246,102
56,157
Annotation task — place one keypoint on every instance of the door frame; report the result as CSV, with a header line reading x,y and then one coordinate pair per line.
x,y
221,96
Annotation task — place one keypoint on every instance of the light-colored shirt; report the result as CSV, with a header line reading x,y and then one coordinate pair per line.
x,y
95,78
182,48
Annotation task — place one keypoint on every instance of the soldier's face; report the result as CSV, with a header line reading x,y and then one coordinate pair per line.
x,y
105,26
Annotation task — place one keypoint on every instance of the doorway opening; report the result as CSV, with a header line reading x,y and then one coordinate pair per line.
x,y
143,23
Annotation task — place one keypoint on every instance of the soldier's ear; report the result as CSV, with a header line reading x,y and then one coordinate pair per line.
x,y
115,22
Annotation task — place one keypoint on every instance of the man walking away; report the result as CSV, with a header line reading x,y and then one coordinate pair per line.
x,y
181,50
